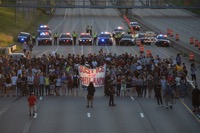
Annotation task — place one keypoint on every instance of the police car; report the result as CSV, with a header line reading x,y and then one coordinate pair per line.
x,y
105,38
44,28
134,26
44,39
118,30
23,36
65,38
85,39
162,40
127,39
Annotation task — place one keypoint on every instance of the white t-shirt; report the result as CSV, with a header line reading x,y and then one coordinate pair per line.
x,y
58,82
14,80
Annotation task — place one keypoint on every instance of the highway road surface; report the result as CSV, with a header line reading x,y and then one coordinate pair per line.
x,y
68,114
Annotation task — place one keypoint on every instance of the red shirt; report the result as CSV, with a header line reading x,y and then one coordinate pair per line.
x,y
32,100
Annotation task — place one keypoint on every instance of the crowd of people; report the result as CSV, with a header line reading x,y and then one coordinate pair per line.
x,y
129,75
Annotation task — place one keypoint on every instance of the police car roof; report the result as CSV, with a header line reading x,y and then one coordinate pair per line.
x,y
25,33
85,33
105,32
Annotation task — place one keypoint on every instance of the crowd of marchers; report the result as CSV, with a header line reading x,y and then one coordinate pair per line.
x,y
130,75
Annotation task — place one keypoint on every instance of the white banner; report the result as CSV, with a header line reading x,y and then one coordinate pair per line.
x,y
97,75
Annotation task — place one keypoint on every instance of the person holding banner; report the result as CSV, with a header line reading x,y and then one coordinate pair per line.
x,y
90,95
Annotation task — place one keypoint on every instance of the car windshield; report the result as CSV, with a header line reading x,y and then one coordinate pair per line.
x,y
65,36
45,36
44,28
105,35
85,36
23,34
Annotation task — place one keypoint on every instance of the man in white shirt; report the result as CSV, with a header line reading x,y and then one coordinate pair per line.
x,y
14,83
30,79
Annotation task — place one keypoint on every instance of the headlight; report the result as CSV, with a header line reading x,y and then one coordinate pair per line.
x,y
90,40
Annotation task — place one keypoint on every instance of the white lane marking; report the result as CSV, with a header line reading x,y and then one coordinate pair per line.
x,y
74,25
4,110
61,21
107,49
88,115
40,98
142,115
163,52
35,115
58,26
132,98
57,48
82,49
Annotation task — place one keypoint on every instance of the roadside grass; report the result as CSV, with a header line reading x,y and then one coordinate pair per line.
x,y
11,23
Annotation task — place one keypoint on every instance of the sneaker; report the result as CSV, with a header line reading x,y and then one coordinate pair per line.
x,y
87,106
33,114
171,106
30,114
91,106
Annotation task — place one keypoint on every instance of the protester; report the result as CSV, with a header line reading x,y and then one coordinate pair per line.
x,y
158,93
196,99
111,94
32,104
90,95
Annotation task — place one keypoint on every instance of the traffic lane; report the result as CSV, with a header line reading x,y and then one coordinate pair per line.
x,y
5,104
16,117
185,27
175,120
177,27
69,114
38,51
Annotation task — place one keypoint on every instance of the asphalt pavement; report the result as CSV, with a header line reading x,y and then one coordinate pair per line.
x,y
69,113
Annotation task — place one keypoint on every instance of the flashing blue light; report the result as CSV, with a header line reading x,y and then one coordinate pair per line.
x,y
22,39
102,40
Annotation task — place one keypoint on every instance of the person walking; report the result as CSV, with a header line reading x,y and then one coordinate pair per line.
x,y
74,35
25,47
196,99
90,95
193,72
32,104
112,94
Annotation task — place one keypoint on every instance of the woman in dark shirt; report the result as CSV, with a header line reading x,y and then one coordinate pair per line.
x,y
91,90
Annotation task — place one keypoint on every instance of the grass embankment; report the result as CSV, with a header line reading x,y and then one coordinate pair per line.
x,y
11,23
